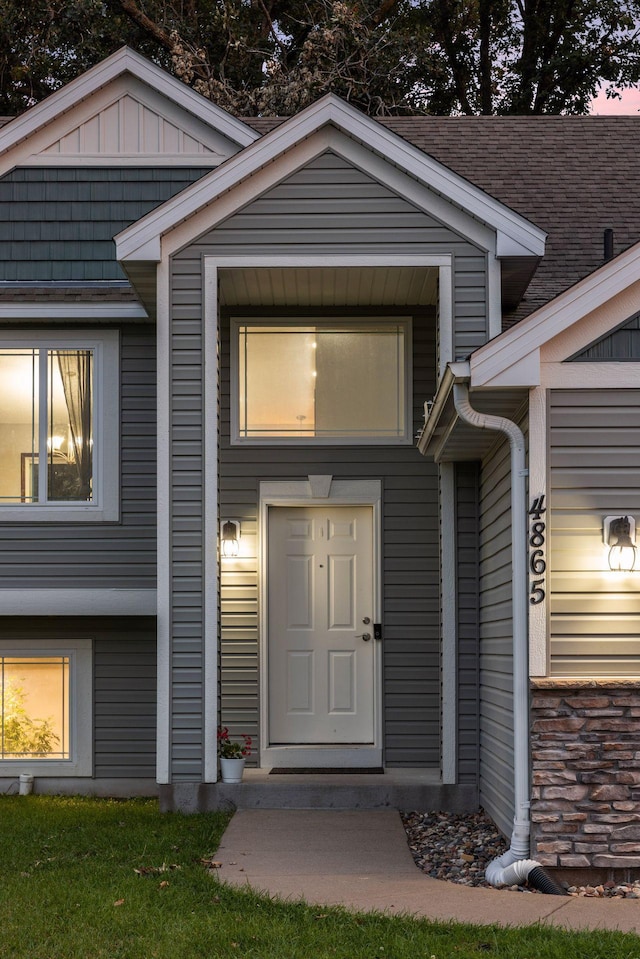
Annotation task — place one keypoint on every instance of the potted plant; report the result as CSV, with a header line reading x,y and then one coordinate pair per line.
x,y
232,755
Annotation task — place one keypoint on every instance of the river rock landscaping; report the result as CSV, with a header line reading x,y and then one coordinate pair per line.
x,y
457,847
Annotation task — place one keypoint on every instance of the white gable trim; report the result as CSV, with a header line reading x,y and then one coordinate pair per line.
x,y
513,358
235,195
142,241
16,138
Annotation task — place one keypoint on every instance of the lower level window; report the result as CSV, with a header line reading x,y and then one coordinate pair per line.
x,y
35,707
46,707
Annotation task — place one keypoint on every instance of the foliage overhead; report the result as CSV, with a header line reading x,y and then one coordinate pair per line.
x,y
274,57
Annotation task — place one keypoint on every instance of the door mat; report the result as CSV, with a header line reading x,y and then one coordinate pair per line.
x,y
328,771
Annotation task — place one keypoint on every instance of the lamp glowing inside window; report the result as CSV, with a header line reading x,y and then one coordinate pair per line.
x,y
34,707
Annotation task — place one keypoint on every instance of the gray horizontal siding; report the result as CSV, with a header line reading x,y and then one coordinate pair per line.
x,y
102,555
410,572
468,618
124,686
330,207
594,459
59,223
187,546
621,344
496,683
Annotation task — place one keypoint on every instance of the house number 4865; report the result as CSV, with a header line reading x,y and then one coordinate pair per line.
x,y
537,563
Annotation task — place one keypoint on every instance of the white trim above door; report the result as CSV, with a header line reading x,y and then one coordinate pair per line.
x,y
321,492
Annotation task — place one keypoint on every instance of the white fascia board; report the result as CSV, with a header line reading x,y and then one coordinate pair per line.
x,y
492,360
330,112
72,311
122,61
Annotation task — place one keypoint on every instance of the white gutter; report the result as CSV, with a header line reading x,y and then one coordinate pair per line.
x,y
519,850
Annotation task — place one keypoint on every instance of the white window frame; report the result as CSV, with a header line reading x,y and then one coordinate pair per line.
x,y
105,346
79,652
404,321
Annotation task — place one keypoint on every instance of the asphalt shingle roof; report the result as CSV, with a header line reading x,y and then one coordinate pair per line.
x,y
573,177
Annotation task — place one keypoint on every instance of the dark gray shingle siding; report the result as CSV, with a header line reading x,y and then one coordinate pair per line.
x,y
58,223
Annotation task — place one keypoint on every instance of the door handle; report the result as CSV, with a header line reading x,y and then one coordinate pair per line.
x,y
366,637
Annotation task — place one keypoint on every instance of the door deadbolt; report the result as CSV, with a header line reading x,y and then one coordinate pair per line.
x,y
366,620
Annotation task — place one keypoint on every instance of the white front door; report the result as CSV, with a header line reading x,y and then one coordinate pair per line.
x,y
321,646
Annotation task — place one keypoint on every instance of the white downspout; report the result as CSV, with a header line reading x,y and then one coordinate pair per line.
x,y
502,870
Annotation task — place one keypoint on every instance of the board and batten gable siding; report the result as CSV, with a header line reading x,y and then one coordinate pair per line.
x,y
119,555
410,565
496,637
58,223
124,685
594,462
330,207
468,618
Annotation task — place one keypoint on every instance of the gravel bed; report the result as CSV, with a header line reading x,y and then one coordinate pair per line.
x,y
458,848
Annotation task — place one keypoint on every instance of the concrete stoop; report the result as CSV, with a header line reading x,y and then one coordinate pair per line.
x,y
419,789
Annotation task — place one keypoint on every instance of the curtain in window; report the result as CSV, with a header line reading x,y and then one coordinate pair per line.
x,y
75,371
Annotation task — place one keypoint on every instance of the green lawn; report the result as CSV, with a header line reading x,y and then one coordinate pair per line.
x,y
69,889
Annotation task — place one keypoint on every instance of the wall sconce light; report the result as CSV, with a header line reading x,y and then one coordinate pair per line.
x,y
230,538
619,534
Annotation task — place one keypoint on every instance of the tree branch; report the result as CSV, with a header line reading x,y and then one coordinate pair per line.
x,y
145,23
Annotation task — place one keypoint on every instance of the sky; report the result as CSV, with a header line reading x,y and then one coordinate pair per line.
x,y
629,105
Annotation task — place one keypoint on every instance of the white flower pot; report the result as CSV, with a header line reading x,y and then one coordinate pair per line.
x,y
231,770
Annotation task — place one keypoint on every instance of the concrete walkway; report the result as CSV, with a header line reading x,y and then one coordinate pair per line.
x,y
360,860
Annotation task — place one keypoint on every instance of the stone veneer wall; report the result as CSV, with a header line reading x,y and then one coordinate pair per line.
x,y
585,749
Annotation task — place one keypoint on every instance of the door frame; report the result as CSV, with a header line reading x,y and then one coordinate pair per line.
x,y
318,491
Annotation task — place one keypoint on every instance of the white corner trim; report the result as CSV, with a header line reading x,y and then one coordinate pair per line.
x,y
164,604
121,62
77,602
210,522
538,613
445,317
494,296
555,317
329,116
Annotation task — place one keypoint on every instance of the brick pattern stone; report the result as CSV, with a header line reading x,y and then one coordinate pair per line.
x,y
585,751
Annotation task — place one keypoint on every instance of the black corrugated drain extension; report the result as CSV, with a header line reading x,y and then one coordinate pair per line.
x,y
539,879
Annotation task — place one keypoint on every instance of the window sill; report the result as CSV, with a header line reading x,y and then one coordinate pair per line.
x,y
32,513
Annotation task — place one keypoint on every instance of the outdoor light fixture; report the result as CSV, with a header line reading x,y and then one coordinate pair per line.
x,y
619,534
230,538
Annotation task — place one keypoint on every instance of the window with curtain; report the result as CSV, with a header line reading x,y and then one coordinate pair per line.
x,y
46,425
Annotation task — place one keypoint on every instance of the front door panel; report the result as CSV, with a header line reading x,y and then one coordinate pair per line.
x,y
321,669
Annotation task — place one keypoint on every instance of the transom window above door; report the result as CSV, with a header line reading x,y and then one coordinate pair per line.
x,y
330,381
